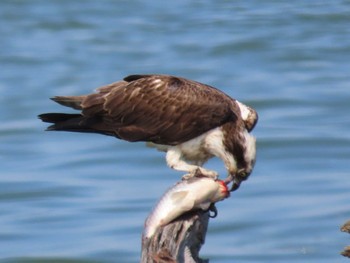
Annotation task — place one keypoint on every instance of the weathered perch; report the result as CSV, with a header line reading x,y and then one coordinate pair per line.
x,y
175,229
179,241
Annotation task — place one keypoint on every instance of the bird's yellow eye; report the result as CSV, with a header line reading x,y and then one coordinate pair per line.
x,y
242,174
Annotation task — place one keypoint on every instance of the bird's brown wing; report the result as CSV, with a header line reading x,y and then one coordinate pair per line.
x,y
157,108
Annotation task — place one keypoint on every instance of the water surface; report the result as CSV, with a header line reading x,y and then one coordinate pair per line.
x,y
83,198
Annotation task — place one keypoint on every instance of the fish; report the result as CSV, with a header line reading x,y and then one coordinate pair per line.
x,y
187,195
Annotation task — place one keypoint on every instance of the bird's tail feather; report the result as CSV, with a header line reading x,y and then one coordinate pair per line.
x,y
73,123
57,117
70,101
65,122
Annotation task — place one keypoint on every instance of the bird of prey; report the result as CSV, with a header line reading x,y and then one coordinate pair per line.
x,y
190,121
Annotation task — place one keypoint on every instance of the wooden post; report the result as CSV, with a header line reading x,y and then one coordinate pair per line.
x,y
179,241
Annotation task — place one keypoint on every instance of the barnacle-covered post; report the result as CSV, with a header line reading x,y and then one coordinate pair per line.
x,y
176,228
179,241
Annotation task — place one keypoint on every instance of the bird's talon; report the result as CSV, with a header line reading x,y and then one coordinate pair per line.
x,y
198,173
210,174
187,176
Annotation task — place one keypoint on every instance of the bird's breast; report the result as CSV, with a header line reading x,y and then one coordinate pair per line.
x,y
195,149
200,148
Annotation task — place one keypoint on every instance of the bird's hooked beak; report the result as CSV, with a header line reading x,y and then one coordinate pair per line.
x,y
235,185
236,180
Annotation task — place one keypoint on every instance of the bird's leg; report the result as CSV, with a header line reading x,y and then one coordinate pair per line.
x,y
199,172
174,160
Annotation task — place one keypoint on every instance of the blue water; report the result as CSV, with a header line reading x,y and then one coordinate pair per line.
x,y
84,198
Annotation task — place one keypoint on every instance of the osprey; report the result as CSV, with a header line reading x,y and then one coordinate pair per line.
x,y
190,121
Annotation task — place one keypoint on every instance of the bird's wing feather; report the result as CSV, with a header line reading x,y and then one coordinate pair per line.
x,y
158,108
